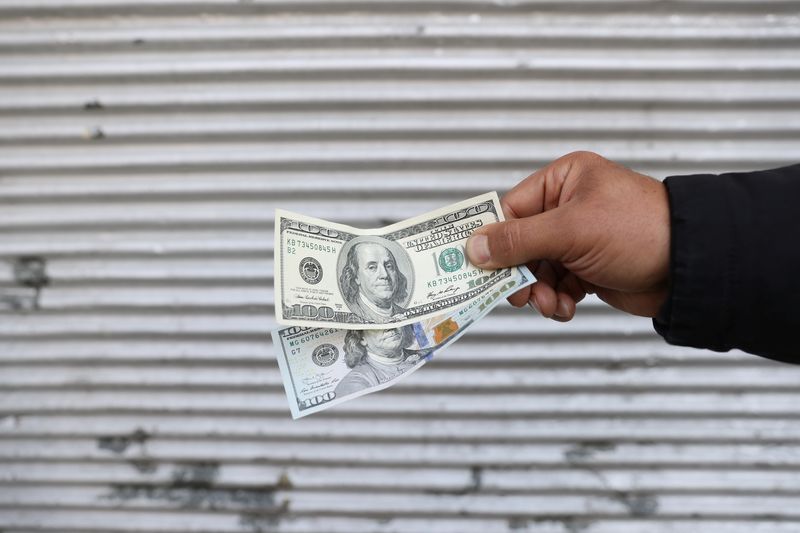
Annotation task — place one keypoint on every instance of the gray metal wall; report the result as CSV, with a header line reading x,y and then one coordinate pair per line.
x,y
143,147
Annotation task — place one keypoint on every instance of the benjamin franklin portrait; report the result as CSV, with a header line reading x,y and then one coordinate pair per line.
x,y
375,357
374,278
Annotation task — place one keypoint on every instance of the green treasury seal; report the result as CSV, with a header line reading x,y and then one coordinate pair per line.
x,y
451,260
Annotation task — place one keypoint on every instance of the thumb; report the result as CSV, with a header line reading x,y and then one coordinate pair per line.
x,y
519,241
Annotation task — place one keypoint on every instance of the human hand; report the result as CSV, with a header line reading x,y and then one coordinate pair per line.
x,y
583,224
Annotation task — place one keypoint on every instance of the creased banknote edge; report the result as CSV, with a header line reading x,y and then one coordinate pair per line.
x,y
277,269
285,374
491,195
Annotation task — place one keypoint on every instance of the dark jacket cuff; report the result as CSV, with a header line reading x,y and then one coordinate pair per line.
x,y
735,263
705,215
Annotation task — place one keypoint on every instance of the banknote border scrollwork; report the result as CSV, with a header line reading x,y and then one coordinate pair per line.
x,y
431,224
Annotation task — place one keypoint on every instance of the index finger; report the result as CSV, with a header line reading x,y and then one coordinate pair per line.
x,y
538,192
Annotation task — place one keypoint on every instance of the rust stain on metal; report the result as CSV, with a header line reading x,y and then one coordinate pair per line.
x,y
264,521
585,450
194,485
284,483
95,133
93,105
144,466
639,505
120,443
29,272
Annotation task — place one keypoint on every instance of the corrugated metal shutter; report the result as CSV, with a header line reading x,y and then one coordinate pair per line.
x,y
143,147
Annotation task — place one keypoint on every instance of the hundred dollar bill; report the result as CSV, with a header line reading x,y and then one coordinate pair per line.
x,y
323,367
332,275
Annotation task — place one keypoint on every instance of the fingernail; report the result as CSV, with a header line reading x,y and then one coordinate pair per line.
x,y
478,249
561,309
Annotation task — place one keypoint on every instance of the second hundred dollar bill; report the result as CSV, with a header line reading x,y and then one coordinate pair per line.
x,y
323,367
332,275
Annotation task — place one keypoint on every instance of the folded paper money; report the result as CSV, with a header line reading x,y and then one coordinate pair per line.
x,y
323,367
376,328
332,275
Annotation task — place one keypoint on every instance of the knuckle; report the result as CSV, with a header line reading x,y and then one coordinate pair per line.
x,y
508,211
585,156
505,241
518,299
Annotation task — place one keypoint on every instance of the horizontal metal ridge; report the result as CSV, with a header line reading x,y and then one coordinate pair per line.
x,y
144,146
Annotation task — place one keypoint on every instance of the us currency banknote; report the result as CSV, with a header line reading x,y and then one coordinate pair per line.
x,y
323,367
332,275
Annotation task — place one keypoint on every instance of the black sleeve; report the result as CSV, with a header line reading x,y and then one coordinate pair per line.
x,y
735,263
